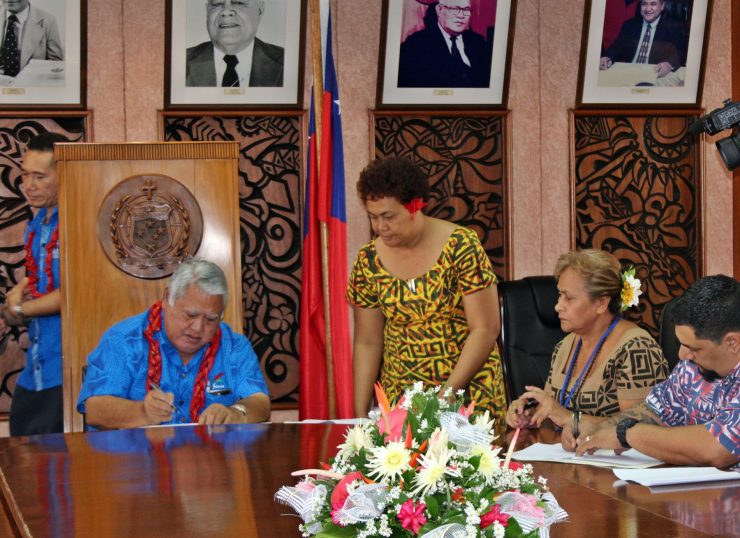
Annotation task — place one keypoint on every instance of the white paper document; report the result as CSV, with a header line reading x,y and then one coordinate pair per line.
x,y
630,459
675,475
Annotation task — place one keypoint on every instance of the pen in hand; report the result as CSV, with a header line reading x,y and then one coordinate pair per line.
x,y
157,387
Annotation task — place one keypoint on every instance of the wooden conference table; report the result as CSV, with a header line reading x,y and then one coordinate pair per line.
x,y
220,481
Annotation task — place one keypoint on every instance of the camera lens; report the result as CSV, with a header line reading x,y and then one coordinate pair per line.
x,y
729,149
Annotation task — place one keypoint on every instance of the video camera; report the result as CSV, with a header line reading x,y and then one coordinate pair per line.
x,y
727,117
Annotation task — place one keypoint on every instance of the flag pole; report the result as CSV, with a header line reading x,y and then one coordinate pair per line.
x,y
318,84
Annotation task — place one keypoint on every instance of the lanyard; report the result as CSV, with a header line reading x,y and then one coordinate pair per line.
x,y
565,402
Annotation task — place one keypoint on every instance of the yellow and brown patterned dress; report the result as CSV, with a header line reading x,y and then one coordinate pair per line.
x,y
425,327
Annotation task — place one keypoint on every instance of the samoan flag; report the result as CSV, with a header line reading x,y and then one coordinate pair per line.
x,y
313,401
333,211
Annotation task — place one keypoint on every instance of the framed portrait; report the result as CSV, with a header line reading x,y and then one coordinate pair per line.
x,y
42,54
643,52
234,53
446,53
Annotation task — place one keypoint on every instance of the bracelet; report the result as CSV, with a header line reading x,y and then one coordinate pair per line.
x,y
240,408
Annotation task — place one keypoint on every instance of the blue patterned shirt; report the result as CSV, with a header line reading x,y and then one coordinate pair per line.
x,y
686,399
43,368
118,367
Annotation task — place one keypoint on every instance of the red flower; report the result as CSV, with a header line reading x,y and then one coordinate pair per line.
x,y
458,495
412,518
339,495
514,465
492,516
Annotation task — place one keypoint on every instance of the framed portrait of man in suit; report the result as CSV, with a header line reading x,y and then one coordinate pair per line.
x,y
446,53
234,53
42,54
643,52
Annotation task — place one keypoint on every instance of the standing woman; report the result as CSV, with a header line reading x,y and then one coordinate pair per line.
x,y
424,297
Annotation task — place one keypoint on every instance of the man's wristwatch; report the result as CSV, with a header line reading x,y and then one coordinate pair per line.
x,y
624,425
240,408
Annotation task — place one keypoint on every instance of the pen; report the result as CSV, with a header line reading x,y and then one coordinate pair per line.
x,y
157,387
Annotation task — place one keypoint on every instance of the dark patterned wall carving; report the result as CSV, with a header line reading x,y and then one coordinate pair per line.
x,y
464,157
637,193
15,132
270,207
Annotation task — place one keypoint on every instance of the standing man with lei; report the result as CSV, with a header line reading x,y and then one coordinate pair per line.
x,y
177,362
37,400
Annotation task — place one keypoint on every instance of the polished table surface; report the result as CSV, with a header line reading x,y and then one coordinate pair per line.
x,y
220,481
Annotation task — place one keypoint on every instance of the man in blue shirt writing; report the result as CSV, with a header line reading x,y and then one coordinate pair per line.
x,y
35,300
177,362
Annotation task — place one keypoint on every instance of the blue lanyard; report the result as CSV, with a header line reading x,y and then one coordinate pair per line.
x,y
565,402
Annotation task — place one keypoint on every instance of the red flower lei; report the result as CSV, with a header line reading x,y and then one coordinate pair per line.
x,y
154,373
32,270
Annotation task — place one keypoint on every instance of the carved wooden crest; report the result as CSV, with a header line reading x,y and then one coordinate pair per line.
x,y
148,224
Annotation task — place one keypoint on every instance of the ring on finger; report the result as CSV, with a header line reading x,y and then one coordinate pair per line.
x,y
588,438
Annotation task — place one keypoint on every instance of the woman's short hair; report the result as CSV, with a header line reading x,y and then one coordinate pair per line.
x,y
392,177
206,275
600,271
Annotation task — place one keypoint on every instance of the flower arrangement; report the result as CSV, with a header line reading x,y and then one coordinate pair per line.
x,y
425,467
630,294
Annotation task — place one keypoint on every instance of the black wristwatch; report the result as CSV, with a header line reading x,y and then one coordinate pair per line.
x,y
624,425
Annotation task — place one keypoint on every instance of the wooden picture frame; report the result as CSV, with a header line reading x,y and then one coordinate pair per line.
x,y
273,74
612,70
52,56
418,66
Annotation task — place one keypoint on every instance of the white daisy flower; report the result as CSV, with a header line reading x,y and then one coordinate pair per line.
x,y
490,464
389,461
355,439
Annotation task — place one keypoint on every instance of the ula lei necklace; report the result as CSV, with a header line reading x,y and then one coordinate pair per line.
x,y
154,373
565,400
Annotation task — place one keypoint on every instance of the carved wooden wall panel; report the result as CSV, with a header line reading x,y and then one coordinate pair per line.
x,y
15,132
637,193
270,204
465,157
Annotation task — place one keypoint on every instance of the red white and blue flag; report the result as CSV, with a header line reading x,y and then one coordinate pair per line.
x,y
332,210
325,203
313,401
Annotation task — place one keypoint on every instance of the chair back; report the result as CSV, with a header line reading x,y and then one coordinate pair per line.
x,y
530,328
667,337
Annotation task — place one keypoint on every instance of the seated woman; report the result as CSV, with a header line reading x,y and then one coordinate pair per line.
x,y
424,296
606,364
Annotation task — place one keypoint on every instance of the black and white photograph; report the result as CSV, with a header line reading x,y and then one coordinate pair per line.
x,y
42,53
643,51
224,53
446,52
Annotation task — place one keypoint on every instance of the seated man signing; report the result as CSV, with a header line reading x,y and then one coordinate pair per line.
x,y
176,363
693,417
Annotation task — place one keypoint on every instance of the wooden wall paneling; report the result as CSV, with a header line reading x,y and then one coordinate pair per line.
x,y
16,129
270,201
637,191
96,294
466,157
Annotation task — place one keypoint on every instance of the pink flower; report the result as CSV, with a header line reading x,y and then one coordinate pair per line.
x,y
515,465
412,518
527,506
492,516
339,495
395,418
467,411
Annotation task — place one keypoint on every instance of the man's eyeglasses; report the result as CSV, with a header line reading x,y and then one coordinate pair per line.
x,y
459,11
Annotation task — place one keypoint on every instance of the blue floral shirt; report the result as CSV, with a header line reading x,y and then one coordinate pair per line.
x,y
686,399
43,368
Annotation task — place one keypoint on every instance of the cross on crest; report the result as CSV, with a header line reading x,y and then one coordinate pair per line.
x,y
149,188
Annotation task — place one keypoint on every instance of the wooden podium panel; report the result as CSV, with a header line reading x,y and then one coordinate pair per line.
x,y
96,293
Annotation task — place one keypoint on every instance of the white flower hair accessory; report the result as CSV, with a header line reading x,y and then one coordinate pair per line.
x,y
630,294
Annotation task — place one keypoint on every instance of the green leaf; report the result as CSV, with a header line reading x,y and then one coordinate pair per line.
x,y
432,506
